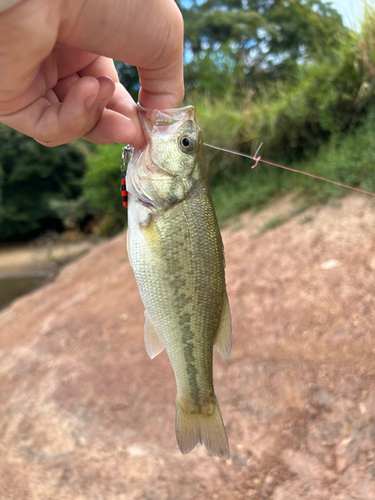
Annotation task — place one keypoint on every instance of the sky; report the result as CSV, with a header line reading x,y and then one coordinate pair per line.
x,y
351,11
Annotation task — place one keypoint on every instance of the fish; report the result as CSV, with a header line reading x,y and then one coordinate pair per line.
x,y
177,255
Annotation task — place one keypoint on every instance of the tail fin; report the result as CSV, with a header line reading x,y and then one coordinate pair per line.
x,y
194,428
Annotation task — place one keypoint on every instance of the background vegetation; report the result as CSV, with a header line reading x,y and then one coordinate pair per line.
x,y
32,177
287,73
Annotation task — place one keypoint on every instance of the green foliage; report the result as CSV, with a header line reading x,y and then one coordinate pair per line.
x,y
307,29
292,121
324,101
213,75
252,189
283,72
366,46
348,158
232,46
255,42
128,76
317,117
76,214
32,175
102,189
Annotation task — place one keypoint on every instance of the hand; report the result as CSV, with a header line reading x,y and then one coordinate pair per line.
x,y
57,78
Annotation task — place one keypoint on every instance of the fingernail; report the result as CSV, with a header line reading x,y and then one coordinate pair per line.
x,y
89,102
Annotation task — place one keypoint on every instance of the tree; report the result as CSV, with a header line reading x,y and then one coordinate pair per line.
x,y
251,42
235,45
128,76
32,175
102,189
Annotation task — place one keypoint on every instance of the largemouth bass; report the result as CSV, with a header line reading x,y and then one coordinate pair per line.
x,y
177,256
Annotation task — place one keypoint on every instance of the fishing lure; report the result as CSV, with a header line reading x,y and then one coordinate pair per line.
x,y
126,154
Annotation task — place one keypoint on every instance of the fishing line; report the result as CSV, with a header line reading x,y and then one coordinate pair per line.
x,y
259,159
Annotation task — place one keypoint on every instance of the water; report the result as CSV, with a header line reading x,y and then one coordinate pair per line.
x,y
25,267
13,287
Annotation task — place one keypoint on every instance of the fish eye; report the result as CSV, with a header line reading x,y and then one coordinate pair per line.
x,y
187,143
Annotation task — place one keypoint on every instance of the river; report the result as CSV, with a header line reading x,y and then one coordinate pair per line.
x,y
25,267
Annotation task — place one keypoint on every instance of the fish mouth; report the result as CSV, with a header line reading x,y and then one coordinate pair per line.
x,y
161,122
168,118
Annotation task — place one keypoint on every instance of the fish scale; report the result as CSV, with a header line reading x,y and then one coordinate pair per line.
x,y
177,256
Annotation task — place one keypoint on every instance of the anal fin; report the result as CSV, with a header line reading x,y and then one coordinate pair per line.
x,y
223,337
153,344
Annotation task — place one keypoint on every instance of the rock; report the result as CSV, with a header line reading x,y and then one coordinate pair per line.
x,y
305,466
85,414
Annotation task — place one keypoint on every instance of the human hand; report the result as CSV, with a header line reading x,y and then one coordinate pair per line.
x,y
57,78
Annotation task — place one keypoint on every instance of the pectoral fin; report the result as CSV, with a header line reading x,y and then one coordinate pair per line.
x,y
153,344
223,337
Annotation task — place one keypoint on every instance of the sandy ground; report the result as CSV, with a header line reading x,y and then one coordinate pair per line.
x,y
85,414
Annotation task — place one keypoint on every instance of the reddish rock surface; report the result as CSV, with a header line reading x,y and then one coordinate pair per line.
x,y
85,414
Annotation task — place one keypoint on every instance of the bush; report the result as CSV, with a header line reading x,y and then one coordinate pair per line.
x,y
348,158
32,175
329,101
102,189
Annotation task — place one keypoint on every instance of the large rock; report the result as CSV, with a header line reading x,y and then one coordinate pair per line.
x,y
84,413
